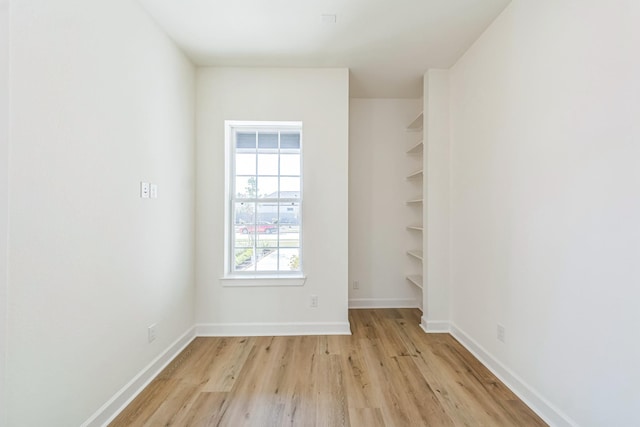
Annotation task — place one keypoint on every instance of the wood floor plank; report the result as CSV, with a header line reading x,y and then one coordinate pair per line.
x,y
389,398
206,410
422,398
300,407
369,417
177,403
146,404
358,384
186,361
473,390
462,411
223,368
331,402
387,373
248,389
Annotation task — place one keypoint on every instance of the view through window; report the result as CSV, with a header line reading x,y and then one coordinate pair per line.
x,y
265,198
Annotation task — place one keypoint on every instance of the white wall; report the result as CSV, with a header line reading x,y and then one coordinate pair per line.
x,y
318,98
378,190
4,194
436,291
100,101
545,202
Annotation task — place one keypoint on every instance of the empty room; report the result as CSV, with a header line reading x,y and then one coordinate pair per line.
x,y
319,213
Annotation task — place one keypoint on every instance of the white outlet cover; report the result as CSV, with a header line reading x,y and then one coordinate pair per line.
x,y
151,333
500,333
153,191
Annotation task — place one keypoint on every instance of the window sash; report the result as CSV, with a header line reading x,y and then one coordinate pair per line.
x,y
235,197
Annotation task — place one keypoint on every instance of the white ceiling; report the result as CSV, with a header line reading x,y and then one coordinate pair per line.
x,y
387,44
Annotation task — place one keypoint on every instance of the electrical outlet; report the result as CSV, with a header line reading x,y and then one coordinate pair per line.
x,y
153,191
151,332
500,333
314,301
356,284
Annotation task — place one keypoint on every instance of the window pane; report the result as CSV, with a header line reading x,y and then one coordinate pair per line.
x,y
246,187
267,140
290,188
267,187
243,220
245,164
290,140
267,216
289,213
243,260
266,235
267,240
290,259
242,238
290,236
268,164
290,164
246,140
267,227
289,223
244,213
267,259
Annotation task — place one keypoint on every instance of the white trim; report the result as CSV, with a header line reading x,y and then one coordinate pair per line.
x,y
435,326
383,303
126,394
272,329
244,281
541,406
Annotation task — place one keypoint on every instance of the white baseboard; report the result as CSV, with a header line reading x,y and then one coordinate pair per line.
x,y
435,326
271,329
548,412
126,394
383,303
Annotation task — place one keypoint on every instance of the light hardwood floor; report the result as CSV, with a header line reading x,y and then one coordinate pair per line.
x,y
388,373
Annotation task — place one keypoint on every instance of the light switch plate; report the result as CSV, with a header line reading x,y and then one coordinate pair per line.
x,y
144,190
153,191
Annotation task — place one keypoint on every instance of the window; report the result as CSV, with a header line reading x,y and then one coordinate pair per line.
x,y
264,181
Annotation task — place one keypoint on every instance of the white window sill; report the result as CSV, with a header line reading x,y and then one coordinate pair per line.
x,y
263,280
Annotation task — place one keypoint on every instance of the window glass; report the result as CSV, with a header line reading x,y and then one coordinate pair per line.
x,y
290,140
268,164
267,186
246,140
290,164
267,140
246,163
290,187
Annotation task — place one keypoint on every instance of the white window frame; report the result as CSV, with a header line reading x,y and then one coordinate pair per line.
x,y
257,278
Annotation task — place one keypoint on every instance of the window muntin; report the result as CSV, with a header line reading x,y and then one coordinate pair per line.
x,y
265,177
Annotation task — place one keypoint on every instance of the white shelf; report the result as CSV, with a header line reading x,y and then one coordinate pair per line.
x,y
416,279
415,174
416,202
416,124
416,149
